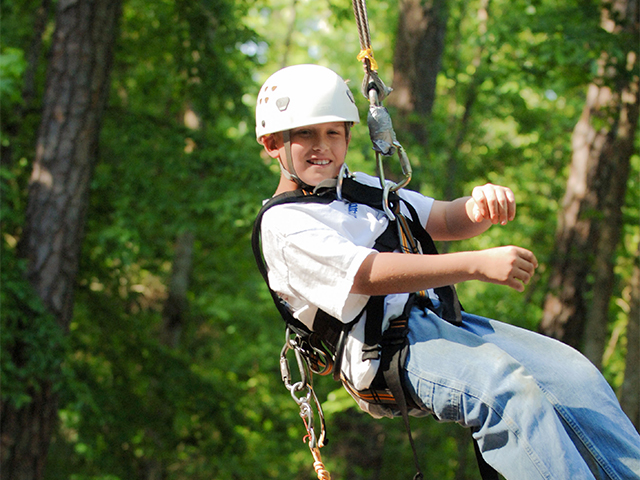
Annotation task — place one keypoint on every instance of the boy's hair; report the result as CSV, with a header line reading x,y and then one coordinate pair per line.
x,y
303,95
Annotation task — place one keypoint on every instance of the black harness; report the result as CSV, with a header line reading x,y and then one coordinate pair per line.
x,y
323,344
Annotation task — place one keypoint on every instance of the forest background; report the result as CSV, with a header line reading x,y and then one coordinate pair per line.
x,y
138,340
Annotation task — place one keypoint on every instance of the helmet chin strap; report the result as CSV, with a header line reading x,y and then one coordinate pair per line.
x,y
290,172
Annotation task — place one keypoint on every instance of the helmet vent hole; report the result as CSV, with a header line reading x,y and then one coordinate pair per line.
x,y
282,103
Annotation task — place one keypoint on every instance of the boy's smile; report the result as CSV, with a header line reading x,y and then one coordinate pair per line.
x,y
318,151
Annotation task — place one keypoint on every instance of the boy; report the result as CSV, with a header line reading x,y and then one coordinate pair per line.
x,y
538,409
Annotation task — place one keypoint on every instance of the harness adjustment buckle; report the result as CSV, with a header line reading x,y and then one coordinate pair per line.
x,y
371,352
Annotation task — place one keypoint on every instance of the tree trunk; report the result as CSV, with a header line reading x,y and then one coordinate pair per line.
x,y
176,304
630,393
26,434
417,60
66,151
291,28
67,147
612,194
590,222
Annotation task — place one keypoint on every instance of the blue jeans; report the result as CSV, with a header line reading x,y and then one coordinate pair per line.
x,y
538,408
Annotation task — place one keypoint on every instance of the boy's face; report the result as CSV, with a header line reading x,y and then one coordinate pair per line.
x,y
318,151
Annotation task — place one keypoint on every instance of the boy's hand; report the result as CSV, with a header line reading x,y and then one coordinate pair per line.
x,y
511,266
494,203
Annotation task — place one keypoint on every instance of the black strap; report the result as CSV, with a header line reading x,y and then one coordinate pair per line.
x,y
487,472
297,196
394,354
356,192
372,348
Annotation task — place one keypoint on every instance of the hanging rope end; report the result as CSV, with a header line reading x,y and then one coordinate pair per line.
x,y
318,465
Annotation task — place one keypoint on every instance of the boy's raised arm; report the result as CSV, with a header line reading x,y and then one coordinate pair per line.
x,y
467,217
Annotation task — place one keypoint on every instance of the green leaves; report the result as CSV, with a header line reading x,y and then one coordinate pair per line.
x,y
12,66
33,346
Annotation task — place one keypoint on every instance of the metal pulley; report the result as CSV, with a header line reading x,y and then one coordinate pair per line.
x,y
385,144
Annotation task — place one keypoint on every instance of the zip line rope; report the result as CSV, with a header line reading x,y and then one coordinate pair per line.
x,y
362,21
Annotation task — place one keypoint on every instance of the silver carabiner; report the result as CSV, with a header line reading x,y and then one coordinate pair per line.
x,y
299,387
406,168
306,413
344,172
385,201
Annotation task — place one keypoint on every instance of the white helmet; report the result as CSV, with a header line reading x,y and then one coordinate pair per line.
x,y
303,95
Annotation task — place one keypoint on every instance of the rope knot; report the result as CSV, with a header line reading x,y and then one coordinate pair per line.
x,y
367,53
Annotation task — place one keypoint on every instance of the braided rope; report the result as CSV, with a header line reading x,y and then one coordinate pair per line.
x,y
318,466
362,21
360,12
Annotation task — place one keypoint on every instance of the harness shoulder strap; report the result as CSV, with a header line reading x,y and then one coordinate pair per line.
x,y
287,197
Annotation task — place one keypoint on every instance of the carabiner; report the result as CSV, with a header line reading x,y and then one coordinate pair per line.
x,y
406,168
385,201
306,413
344,172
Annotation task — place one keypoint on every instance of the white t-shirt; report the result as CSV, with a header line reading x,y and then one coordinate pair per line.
x,y
313,252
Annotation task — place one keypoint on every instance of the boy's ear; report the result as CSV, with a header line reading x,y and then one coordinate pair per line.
x,y
347,131
271,145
